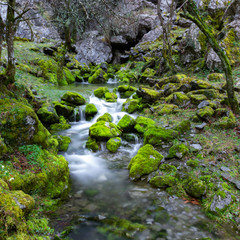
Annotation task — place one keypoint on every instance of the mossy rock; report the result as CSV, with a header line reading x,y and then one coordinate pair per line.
x,y
105,117
148,95
156,135
143,123
200,84
113,144
129,137
99,76
178,98
68,75
131,106
110,97
183,127
63,110
3,147
74,98
92,144
194,187
148,73
215,77
102,130
19,124
192,163
163,181
145,162
47,114
90,111
126,91
226,122
25,201
197,98
63,142
178,151
166,109
62,125
100,92
209,93
205,113
168,169
126,123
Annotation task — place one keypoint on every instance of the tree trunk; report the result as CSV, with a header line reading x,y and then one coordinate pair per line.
x,y
10,32
191,13
2,27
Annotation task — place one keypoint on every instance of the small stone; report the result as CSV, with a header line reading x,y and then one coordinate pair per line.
x,y
203,104
196,147
225,169
201,126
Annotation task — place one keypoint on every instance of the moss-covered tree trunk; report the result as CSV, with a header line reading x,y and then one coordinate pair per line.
x,y
10,32
2,27
191,12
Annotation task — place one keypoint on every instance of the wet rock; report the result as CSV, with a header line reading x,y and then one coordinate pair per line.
x,y
127,123
90,111
105,117
146,161
110,97
113,144
74,98
92,144
221,201
100,92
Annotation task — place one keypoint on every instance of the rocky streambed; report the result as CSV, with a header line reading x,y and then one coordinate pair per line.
x,y
106,204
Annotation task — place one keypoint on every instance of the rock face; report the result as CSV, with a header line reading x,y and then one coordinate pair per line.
x,y
93,49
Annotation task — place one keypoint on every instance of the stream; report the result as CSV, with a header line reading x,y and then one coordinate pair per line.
x,y
106,204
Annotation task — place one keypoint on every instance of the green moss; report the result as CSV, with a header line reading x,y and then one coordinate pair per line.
x,y
157,135
100,92
148,73
205,113
148,95
92,144
105,117
167,168
113,144
197,98
3,147
110,97
178,151
226,122
209,93
47,114
178,98
200,84
194,187
126,123
68,75
146,161
102,130
126,91
62,125
163,181
63,142
215,77
166,109
193,163
131,105
90,111
74,98
99,76
143,123
183,126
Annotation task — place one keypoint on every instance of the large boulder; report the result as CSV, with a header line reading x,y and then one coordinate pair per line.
x,y
19,124
74,98
126,123
143,123
146,161
47,114
148,95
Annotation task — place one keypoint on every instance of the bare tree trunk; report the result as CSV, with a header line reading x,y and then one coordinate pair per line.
x,y
191,12
10,32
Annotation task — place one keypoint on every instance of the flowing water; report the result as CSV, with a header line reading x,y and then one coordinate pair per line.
x,y
103,197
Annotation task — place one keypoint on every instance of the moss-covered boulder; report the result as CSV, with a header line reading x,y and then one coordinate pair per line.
x,y
63,142
99,76
20,125
166,109
183,126
92,144
209,93
102,130
90,111
156,135
126,123
74,98
62,125
47,114
148,95
200,84
197,98
105,117
205,113
126,91
178,151
3,147
70,78
148,73
226,122
163,181
100,92
195,187
178,98
215,77
63,110
143,123
131,106
167,169
146,161
113,144
110,97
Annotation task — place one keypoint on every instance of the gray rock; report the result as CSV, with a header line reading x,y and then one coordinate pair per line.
x,y
231,180
220,203
225,169
152,35
196,147
92,49
213,62
203,104
201,126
